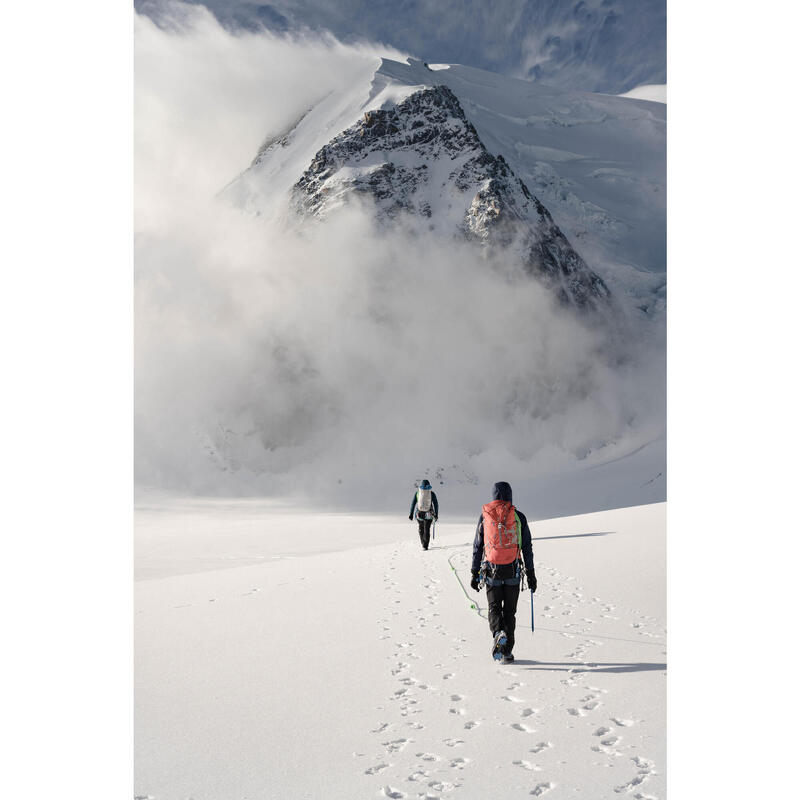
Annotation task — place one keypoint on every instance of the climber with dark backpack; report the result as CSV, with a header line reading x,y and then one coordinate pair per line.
x,y
501,555
427,505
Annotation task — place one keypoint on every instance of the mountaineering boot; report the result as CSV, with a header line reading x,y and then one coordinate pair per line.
x,y
508,658
500,641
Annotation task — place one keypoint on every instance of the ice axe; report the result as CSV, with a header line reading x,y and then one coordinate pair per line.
x,y
533,628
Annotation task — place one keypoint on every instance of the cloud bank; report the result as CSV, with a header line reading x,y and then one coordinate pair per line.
x,y
339,360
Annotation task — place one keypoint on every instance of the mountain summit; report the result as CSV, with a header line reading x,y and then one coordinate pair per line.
x,y
559,180
423,158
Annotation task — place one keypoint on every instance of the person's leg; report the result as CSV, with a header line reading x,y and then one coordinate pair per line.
x,y
427,540
494,597
421,523
510,599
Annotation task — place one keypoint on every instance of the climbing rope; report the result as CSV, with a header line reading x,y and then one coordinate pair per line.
x,y
472,604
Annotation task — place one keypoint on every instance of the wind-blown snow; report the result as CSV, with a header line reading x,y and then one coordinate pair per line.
x,y
592,45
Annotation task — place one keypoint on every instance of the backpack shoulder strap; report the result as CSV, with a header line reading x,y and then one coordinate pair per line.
x,y
519,530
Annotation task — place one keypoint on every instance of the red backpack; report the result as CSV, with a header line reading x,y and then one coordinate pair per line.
x,y
502,532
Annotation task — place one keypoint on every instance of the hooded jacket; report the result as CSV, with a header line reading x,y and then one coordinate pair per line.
x,y
502,491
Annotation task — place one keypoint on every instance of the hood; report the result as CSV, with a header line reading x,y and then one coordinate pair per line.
x,y
502,491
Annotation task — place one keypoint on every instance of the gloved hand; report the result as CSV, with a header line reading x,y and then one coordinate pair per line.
x,y
474,582
531,576
411,516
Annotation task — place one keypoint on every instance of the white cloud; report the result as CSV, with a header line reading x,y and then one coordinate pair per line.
x,y
266,360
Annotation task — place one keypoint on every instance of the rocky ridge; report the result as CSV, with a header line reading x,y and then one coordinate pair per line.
x,y
421,161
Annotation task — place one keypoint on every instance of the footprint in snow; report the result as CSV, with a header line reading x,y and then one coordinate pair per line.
x,y
602,731
442,786
623,723
526,765
471,724
542,788
395,794
645,771
511,699
521,726
541,746
395,745
526,712
459,763
453,742
376,769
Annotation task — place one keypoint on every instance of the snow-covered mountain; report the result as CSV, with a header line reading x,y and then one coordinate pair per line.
x,y
328,342
593,45
571,184
423,158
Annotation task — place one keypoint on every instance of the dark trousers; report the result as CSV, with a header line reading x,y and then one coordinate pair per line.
x,y
424,531
503,610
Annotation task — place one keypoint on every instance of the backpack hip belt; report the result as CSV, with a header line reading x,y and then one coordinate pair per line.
x,y
489,570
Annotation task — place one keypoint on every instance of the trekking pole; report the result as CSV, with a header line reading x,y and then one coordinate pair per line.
x,y
532,625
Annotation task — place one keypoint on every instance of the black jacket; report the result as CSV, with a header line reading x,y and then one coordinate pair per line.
x,y
434,504
502,491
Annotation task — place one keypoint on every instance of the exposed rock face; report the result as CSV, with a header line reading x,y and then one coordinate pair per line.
x,y
423,159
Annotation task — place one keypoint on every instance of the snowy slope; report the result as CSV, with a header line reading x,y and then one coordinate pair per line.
x,y
288,678
596,162
593,45
657,93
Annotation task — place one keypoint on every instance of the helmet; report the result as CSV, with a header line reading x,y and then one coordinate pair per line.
x,y
425,484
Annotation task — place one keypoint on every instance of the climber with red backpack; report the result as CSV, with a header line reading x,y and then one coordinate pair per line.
x,y
501,554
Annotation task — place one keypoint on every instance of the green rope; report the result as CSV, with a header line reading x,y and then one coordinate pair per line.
x,y
463,588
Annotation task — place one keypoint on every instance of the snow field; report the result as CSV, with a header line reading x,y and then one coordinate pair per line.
x,y
365,673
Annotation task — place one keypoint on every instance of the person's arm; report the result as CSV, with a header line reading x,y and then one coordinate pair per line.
x,y
477,546
413,506
527,552
435,502
527,545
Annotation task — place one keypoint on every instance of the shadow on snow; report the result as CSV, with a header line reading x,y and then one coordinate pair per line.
x,y
592,666
571,536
